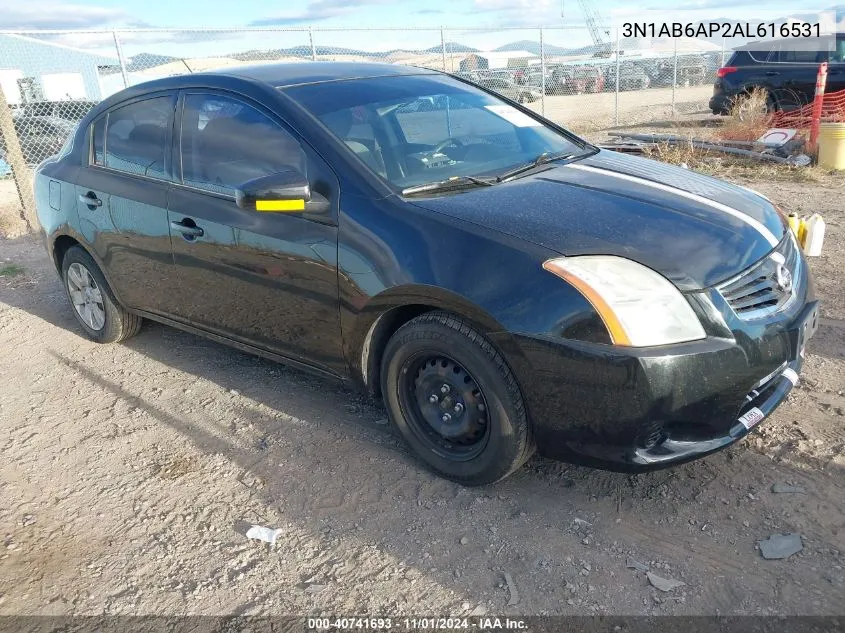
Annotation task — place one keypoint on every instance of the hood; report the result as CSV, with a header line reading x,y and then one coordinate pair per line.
x,y
693,229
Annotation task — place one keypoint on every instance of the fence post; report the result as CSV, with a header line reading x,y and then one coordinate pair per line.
x,y
20,171
311,42
723,52
616,90
121,60
443,46
674,76
542,74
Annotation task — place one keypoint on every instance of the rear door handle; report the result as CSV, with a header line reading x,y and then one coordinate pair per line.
x,y
90,199
772,73
187,230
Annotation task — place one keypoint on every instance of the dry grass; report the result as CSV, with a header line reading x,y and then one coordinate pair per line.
x,y
714,163
11,224
748,119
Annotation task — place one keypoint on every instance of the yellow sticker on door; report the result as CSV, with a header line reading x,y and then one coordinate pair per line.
x,y
280,205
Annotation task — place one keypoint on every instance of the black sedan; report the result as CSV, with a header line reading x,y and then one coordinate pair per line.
x,y
501,283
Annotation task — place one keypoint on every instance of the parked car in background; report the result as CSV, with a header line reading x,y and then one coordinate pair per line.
x,y
632,76
534,80
40,136
560,81
787,76
504,285
587,79
507,88
69,110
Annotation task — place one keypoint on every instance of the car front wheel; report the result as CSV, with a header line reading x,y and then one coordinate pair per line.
x,y
455,400
102,318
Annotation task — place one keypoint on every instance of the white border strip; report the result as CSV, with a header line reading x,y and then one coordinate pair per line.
x,y
758,226
791,375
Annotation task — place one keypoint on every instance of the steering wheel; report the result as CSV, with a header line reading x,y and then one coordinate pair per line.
x,y
446,143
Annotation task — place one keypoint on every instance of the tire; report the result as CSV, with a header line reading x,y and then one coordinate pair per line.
x,y
103,320
501,438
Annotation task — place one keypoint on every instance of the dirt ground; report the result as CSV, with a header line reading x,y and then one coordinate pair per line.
x,y
129,473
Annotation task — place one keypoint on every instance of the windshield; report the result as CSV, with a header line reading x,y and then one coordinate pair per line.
x,y
416,129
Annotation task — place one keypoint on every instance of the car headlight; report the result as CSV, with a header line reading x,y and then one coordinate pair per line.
x,y
639,306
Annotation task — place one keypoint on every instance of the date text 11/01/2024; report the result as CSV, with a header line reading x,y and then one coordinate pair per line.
x,y
721,29
482,623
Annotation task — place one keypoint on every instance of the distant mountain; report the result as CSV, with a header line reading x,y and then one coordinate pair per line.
x,y
530,46
142,61
452,47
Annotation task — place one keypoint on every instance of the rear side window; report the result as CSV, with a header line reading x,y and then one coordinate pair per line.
x,y
226,142
98,135
136,137
799,57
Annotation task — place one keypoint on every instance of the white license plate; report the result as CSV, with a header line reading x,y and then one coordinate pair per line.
x,y
751,418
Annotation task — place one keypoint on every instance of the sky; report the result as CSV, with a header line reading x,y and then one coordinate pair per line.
x,y
489,16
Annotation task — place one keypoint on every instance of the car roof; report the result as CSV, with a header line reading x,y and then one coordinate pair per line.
x,y
280,75
274,75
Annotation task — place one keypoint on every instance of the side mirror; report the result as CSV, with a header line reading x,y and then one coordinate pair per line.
x,y
282,192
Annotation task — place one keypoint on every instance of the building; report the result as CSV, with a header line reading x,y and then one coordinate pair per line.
x,y
490,60
33,69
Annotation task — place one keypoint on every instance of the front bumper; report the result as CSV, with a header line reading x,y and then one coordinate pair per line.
x,y
635,410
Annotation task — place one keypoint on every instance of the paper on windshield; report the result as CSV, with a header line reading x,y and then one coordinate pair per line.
x,y
512,115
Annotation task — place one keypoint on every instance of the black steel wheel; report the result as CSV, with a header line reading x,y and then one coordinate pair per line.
x,y
455,400
444,405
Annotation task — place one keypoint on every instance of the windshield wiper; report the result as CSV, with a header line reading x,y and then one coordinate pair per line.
x,y
542,159
455,182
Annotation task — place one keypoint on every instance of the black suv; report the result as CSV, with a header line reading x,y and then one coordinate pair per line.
x,y
786,74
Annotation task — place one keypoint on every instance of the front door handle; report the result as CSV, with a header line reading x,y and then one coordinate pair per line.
x,y
186,229
771,73
90,199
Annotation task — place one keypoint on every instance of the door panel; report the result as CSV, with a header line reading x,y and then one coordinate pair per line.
x,y
122,201
267,279
130,234
262,278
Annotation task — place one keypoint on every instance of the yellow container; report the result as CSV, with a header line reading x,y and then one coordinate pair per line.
x,y
794,223
832,145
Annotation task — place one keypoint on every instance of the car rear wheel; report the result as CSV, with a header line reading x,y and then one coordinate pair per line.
x,y
102,318
454,400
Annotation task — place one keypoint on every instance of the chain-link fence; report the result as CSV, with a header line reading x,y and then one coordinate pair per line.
x,y
49,80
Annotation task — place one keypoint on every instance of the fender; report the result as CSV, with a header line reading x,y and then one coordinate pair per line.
x,y
66,230
386,312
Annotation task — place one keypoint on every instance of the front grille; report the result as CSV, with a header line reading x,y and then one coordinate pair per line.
x,y
768,286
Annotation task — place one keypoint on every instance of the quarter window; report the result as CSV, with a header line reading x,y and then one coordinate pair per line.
x,y
136,137
226,142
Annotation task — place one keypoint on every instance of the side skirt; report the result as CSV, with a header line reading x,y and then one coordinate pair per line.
x,y
245,347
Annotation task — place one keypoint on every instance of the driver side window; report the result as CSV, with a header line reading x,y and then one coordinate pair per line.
x,y
226,142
